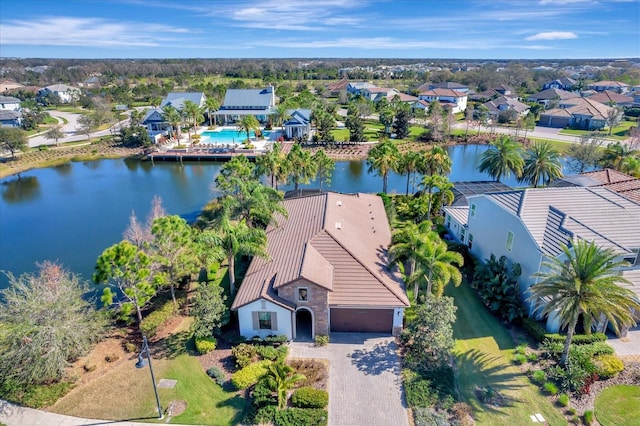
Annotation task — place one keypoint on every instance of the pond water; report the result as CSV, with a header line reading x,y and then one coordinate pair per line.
x,y
71,213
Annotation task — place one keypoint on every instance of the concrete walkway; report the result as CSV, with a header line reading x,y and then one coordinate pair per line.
x,y
365,385
626,346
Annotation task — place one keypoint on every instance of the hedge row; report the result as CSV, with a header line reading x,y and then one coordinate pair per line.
x,y
539,334
308,397
249,375
155,319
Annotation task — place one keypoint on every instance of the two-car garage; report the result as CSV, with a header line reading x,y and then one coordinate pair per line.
x,y
356,320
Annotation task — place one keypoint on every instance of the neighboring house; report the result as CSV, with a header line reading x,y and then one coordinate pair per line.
x,y
615,86
577,113
355,87
154,119
10,118
551,96
504,103
504,90
612,98
177,99
448,98
334,89
9,103
326,271
529,225
299,124
65,93
623,184
446,85
240,102
563,83
9,85
375,94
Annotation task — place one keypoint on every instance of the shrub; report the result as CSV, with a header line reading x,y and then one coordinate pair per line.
x,y
276,340
267,352
563,400
571,411
608,366
130,347
589,417
301,417
519,358
216,374
578,339
310,398
461,412
111,358
534,329
592,350
429,417
155,319
538,376
204,345
244,354
550,388
265,414
419,391
532,357
263,394
521,349
249,375
322,340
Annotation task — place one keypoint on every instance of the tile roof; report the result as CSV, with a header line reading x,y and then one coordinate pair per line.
x,y
609,96
444,85
611,179
337,241
633,275
61,88
553,93
609,83
444,92
512,103
554,215
580,106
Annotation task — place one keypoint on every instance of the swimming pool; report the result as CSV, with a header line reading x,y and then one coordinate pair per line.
x,y
227,136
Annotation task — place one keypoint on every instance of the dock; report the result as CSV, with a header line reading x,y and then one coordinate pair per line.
x,y
207,154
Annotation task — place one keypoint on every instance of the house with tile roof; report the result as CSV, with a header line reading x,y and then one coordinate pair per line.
x,y
334,89
241,102
527,226
611,98
9,85
448,98
564,83
551,96
64,92
326,271
576,113
505,103
444,85
623,184
616,86
355,87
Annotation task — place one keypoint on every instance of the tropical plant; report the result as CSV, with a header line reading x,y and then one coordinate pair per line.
x,y
247,124
193,114
585,153
615,154
406,239
444,195
502,158
274,164
301,166
408,164
281,378
281,114
497,285
584,282
383,159
324,167
386,119
212,105
435,267
435,161
541,163
173,117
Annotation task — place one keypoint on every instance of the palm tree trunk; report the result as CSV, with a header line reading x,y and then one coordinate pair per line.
x,y
416,288
408,178
567,343
429,204
384,183
429,285
232,276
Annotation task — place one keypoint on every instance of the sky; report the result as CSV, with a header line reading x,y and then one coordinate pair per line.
x,y
463,29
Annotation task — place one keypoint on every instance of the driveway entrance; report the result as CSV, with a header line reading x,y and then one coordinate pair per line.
x,y
365,385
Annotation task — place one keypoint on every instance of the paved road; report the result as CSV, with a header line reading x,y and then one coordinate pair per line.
x,y
365,385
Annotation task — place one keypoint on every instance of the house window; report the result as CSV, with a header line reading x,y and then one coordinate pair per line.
x,y
264,320
303,294
509,240
470,243
462,234
448,224
473,210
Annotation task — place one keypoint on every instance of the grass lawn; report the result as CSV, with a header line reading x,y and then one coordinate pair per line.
x,y
619,132
125,392
483,358
618,406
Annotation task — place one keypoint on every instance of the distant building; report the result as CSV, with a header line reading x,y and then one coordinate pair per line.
x,y
240,102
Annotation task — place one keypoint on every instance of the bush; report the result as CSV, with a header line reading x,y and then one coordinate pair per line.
x,y
608,366
265,414
589,417
216,374
429,417
301,417
204,345
578,339
263,394
267,352
519,358
310,398
563,400
322,340
521,349
550,388
249,375
534,329
461,411
155,319
276,340
419,391
244,354
130,347
538,377
532,357
592,350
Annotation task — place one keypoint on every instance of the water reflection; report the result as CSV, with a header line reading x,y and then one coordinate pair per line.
x,y
20,189
93,164
63,169
355,168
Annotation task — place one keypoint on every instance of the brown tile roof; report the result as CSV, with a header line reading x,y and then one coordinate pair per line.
x,y
340,85
403,97
609,176
609,83
337,241
610,96
625,185
444,92
580,106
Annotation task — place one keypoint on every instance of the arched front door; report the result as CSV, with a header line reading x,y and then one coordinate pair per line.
x,y
304,324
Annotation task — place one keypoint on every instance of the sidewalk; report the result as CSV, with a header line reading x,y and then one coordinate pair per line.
x,y
13,415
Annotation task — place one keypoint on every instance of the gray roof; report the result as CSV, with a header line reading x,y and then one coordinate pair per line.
x,y
9,100
512,103
9,115
553,93
459,213
337,241
177,99
462,190
554,215
61,88
298,116
239,99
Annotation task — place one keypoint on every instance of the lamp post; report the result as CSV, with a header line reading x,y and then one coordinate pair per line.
x,y
143,363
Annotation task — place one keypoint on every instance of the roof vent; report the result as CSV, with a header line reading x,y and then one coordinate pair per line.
x,y
338,225
339,203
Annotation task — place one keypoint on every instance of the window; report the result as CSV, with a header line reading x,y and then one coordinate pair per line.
x,y
264,320
509,240
303,293
473,210
448,224
462,234
470,243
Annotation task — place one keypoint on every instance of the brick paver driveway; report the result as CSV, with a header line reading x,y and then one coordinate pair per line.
x,y
365,386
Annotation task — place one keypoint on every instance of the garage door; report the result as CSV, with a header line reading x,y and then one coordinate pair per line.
x,y
361,320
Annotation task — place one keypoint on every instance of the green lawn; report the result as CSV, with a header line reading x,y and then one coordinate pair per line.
x,y
619,132
618,406
483,358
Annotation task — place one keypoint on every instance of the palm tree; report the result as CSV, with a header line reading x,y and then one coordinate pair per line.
x,y
435,267
281,378
301,166
502,158
615,154
541,162
193,113
631,166
445,188
408,164
382,159
324,167
274,164
212,105
247,124
435,161
584,282
281,114
405,242
173,117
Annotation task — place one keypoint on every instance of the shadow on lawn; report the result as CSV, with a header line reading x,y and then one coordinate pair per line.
x,y
487,378
375,361
238,403
174,345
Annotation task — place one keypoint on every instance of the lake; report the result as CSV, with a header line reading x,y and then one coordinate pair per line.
x,y
71,213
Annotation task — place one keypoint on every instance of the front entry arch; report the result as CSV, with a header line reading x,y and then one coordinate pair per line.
x,y
304,324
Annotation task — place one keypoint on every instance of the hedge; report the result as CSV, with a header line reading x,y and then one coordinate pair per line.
x,y
308,397
535,330
578,339
155,319
204,345
250,374
608,365
216,374
301,417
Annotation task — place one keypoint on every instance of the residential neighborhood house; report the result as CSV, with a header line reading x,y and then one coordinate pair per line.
x,y
616,86
65,93
154,120
10,112
240,102
298,126
504,103
563,83
448,98
577,113
611,98
326,271
551,96
611,179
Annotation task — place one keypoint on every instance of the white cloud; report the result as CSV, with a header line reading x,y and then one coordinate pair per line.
x,y
552,35
72,31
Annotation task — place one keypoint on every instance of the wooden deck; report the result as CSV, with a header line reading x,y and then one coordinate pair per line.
x,y
208,154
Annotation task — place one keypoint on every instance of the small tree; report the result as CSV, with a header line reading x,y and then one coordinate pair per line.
x,y
354,123
281,378
13,140
614,115
87,125
54,133
586,152
401,122
209,310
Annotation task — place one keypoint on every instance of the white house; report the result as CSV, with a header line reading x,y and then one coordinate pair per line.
x,y
447,97
154,120
240,102
9,103
65,93
299,123
529,225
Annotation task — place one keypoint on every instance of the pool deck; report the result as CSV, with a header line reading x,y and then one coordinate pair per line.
x,y
209,153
